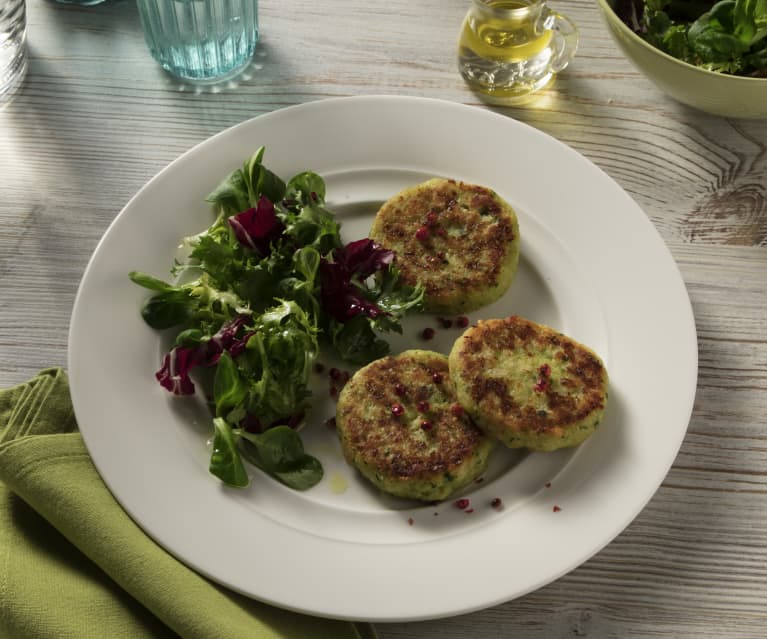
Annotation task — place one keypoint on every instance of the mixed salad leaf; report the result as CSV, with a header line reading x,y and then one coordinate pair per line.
x,y
729,36
254,299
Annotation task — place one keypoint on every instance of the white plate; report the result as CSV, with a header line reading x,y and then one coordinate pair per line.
x,y
592,265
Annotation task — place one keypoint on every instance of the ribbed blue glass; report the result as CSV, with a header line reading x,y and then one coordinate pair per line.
x,y
201,40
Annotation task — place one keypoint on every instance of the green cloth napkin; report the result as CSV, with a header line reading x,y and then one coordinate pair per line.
x,y
74,565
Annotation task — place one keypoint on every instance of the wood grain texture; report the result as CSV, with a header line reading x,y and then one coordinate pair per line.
x,y
97,118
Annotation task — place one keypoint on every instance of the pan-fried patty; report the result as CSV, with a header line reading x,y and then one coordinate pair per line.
x,y
400,425
527,384
460,241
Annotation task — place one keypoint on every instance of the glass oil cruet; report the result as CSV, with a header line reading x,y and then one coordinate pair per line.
x,y
509,49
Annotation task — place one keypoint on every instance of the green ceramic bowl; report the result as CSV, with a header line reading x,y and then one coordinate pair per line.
x,y
727,95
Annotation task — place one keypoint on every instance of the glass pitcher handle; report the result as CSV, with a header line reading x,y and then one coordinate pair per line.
x,y
565,40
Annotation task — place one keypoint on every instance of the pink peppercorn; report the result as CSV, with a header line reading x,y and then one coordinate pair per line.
x,y
544,379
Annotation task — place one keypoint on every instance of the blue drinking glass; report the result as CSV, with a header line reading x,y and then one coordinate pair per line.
x,y
201,40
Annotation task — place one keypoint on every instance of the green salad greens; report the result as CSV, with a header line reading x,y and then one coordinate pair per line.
x,y
257,295
729,36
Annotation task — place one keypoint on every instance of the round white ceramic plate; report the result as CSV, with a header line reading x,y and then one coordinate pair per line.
x,y
592,266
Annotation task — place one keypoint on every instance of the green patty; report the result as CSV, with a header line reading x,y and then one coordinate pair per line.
x,y
459,241
400,425
528,385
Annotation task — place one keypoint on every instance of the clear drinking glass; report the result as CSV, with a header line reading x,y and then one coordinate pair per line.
x,y
13,55
509,49
201,40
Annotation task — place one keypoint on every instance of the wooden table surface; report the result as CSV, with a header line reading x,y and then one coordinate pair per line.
x,y
97,118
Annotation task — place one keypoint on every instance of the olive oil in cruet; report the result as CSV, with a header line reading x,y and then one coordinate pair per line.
x,y
509,49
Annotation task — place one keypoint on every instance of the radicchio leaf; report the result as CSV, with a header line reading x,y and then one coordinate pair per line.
x,y
174,374
225,340
364,257
356,261
180,360
257,227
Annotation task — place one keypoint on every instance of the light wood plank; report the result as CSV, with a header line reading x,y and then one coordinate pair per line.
x,y
97,118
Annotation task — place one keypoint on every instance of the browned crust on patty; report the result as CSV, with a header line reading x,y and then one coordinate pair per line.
x,y
393,448
468,253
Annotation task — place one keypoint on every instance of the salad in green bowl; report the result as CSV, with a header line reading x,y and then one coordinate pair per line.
x,y
729,36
